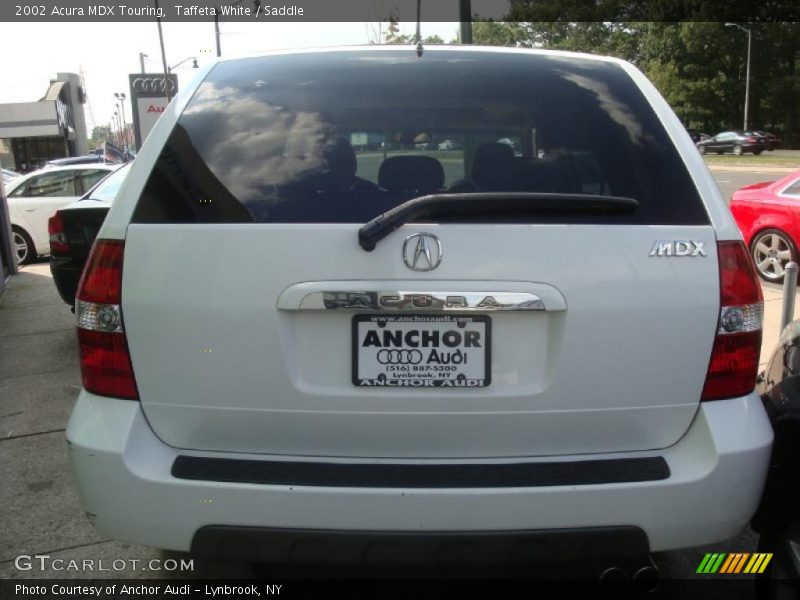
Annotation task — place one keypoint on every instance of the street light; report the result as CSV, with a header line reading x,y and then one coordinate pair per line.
x,y
142,56
192,58
119,129
121,100
749,33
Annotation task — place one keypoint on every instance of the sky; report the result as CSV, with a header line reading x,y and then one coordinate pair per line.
x,y
108,52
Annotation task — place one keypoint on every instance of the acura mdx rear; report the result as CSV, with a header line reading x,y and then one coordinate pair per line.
x,y
363,305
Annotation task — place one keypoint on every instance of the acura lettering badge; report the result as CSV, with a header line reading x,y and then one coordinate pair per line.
x,y
422,252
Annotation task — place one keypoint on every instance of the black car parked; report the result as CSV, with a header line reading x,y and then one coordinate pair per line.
x,y
73,229
697,135
771,139
737,142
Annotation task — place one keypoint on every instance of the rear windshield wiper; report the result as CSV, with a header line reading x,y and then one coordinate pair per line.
x,y
491,203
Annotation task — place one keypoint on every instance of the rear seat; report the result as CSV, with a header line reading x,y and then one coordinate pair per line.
x,y
496,169
415,174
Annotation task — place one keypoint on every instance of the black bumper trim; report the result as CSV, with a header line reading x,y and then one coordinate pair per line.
x,y
540,474
592,546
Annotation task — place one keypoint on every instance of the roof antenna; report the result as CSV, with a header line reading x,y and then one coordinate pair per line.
x,y
419,36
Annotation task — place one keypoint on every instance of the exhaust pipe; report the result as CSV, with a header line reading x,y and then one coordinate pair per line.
x,y
614,579
647,578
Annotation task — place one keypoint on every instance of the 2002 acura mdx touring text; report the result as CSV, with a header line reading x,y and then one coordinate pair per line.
x,y
311,330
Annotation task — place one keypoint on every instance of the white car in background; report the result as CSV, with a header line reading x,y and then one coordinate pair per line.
x,y
9,176
35,197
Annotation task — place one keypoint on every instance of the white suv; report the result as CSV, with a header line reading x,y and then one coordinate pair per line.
x,y
308,332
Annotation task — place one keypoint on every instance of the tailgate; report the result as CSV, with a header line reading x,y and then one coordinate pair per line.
x,y
615,361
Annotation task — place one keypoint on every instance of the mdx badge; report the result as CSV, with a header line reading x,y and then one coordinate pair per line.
x,y
677,248
422,252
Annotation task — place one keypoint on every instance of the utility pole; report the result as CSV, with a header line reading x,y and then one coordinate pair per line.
x,y
216,31
217,11
749,33
163,55
465,16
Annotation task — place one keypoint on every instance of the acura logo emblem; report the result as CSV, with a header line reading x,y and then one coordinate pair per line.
x,y
422,252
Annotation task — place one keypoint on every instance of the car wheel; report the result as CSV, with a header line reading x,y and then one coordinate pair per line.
x,y
757,152
26,251
737,150
772,250
701,149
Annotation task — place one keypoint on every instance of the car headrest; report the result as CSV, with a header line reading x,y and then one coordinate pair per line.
x,y
418,174
493,166
341,161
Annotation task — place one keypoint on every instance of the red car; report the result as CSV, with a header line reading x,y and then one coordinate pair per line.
x,y
768,214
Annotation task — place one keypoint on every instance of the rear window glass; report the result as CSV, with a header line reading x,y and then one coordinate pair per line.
x,y
345,136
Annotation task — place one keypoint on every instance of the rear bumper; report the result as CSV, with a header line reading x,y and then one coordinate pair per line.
x,y
127,487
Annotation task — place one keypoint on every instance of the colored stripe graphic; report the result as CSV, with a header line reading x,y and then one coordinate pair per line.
x,y
734,563
740,563
711,563
758,563
704,564
727,564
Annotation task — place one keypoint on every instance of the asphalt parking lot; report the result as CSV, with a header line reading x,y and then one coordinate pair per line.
x,y
39,380
730,181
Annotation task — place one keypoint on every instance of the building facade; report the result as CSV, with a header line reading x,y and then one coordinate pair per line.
x,y
31,133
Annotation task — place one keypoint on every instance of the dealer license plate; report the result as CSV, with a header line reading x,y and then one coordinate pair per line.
x,y
421,350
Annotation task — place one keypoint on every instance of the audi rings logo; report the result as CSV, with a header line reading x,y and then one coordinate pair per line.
x,y
399,357
149,85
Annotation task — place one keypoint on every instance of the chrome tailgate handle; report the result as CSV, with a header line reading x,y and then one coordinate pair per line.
x,y
311,296
427,301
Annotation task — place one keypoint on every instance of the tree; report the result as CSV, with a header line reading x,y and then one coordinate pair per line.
x,y
494,33
100,135
374,28
393,35
699,67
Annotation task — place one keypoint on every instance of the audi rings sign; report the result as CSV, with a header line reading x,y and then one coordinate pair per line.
x,y
421,351
149,100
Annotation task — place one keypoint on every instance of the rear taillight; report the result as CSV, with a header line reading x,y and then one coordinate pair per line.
x,y
752,140
737,345
105,359
58,238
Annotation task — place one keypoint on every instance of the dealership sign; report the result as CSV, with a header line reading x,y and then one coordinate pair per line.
x,y
149,100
